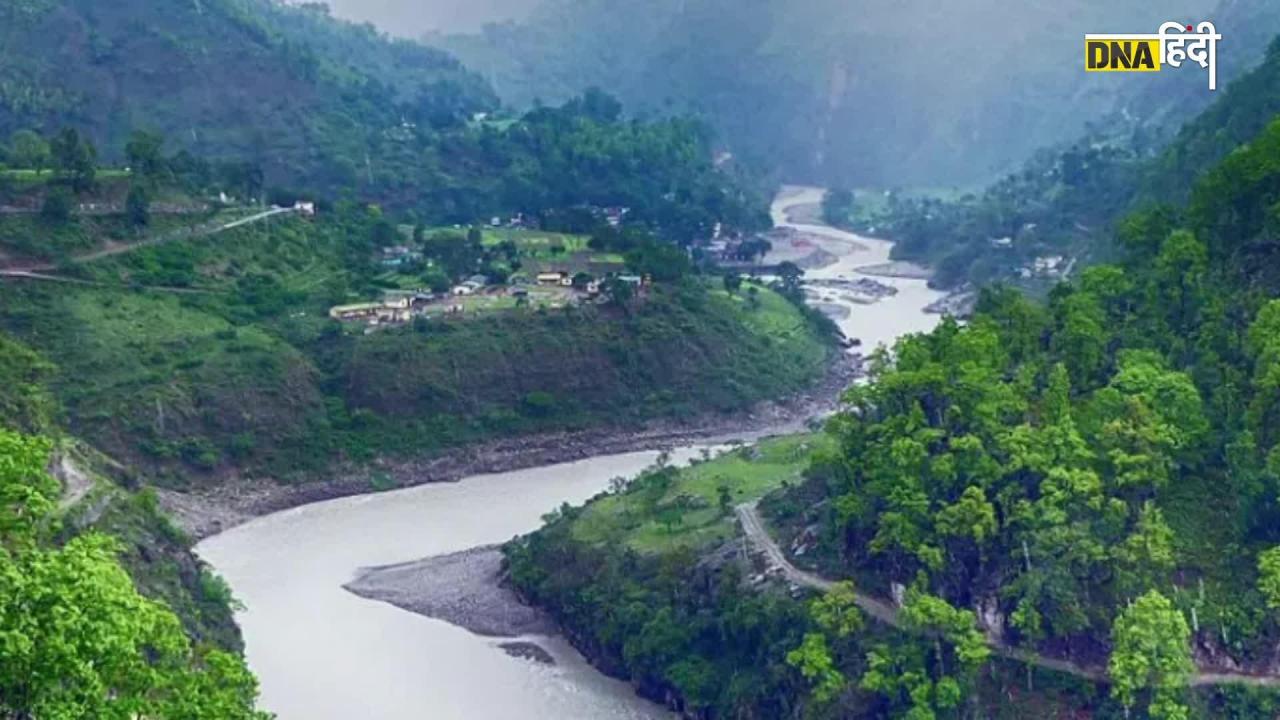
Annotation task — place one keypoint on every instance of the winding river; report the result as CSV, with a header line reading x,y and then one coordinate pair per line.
x,y
321,652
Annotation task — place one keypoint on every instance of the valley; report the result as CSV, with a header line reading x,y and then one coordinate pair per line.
x,y
321,547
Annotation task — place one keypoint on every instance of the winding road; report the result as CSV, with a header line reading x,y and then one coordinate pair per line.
x,y
754,528
39,271
33,270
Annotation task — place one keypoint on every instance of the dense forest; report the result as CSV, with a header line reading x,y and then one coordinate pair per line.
x,y
1091,478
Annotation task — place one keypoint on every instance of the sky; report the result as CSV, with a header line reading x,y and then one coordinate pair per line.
x,y
415,18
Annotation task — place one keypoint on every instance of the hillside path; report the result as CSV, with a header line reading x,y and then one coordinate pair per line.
x,y
207,230
886,612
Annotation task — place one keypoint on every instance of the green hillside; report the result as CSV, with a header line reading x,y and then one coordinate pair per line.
x,y
105,608
305,97
231,361
1089,482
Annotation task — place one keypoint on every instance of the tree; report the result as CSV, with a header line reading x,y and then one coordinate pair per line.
x,y
972,516
619,292
920,683
28,150
1151,650
789,276
1269,577
1146,557
813,660
732,282
138,206
75,159
79,641
144,151
837,204
837,612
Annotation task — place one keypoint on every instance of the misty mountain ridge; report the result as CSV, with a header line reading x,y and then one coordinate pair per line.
x,y
920,93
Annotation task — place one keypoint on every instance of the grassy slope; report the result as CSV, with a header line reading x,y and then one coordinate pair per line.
x,y
252,375
156,553
639,517
100,495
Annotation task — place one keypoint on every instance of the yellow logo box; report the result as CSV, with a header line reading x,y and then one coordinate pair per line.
x,y
1121,55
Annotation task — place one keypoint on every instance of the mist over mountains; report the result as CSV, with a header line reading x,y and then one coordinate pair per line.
x,y
413,18
917,92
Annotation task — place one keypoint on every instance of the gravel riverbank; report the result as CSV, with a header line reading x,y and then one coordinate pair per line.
x,y
464,589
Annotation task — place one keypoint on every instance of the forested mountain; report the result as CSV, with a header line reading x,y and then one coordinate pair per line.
x,y
287,88
1066,199
312,104
846,92
1089,482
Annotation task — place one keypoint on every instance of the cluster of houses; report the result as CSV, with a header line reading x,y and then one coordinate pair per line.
x,y
613,215
395,307
402,306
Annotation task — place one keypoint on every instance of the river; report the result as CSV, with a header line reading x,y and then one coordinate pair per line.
x,y
321,652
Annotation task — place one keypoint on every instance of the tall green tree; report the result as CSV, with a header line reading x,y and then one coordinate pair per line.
x,y
75,159
1151,652
145,153
28,150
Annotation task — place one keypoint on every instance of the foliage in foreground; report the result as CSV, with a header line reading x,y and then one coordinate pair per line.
x,y
78,640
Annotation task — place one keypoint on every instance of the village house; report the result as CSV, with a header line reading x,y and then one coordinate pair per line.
x,y
395,307
358,311
471,285
379,312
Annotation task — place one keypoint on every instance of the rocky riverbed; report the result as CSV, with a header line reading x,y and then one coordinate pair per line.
x,y
464,589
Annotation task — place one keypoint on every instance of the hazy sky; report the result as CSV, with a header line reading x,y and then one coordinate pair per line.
x,y
413,18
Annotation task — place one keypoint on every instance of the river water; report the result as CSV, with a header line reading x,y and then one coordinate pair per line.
x,y
322,653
